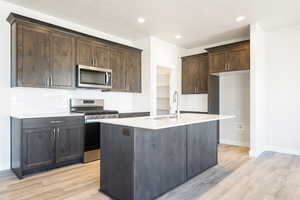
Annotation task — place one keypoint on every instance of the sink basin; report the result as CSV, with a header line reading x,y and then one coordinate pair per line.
x,y
163,117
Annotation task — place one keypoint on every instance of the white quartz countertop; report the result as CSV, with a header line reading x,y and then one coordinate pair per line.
x,y
42,115
153,123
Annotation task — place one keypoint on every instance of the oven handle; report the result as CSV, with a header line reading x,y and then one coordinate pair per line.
x,y
106,78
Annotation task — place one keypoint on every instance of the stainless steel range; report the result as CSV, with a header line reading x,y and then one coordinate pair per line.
x,y
93,110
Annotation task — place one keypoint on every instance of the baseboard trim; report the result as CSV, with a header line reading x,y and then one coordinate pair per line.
x,y
5,171
235,143
282,150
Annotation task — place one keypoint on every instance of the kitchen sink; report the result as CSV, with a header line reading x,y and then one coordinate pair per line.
x,y
163,117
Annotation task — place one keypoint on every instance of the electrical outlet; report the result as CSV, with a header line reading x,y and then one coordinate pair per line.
x,y
240,126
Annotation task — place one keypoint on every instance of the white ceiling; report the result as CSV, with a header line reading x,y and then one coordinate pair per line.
x,y
199,22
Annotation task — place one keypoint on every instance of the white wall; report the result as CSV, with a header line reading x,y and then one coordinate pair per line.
x,y
142,101
235,100
283,47
167,55
29,100
259,91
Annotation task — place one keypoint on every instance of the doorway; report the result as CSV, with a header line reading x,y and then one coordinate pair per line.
x,y
163,91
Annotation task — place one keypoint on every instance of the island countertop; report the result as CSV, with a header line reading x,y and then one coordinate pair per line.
x,y
161,122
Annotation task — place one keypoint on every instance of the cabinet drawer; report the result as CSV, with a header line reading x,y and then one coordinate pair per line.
x,y
52,121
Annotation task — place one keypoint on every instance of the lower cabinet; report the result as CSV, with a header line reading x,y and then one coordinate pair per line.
x,y
68,143
45,143
37,148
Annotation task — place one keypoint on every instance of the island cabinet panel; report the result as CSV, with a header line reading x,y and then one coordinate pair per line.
x,y
116,170
231,57
164,161
143,164
201,147
38,144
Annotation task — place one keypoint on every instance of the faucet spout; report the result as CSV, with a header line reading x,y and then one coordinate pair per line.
x,y
176,101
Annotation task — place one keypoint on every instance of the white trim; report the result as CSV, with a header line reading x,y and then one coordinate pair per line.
x,y
234,142
282,150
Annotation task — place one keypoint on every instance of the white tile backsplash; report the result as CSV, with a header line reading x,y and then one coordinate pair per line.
x,y
33,100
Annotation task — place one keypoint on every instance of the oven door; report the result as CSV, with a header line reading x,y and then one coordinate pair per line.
x,y
92,141
94,77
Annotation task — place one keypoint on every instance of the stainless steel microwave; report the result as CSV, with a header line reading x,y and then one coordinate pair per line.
x,y
93,77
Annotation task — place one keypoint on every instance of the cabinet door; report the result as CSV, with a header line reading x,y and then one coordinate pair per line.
x,y
202,75
190,68
133,66
117,64
101,55
62,60
117,167
239,57
217,61
69,143
85,52
201,147
33,56
38,148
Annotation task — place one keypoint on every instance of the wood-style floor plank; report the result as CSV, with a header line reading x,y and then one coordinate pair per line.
x,y
272,176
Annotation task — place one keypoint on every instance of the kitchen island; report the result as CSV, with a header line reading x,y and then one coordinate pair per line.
x,y
143,158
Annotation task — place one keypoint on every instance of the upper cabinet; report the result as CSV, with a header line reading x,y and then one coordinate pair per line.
x,y
195,74
126,68
91,53
45,56
232,57
42,58
62,49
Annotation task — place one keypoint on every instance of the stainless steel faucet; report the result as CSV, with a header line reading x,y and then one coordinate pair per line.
x,y
176,100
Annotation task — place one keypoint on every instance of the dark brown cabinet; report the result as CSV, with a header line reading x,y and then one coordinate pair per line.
x,y
126,69
38,148
39,144
68,143
45,56
232,57
194,74
42,58
85,53
62,58
92,53
117,64
32,56
133,72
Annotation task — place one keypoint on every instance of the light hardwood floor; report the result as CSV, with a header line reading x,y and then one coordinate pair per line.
x,y
273,176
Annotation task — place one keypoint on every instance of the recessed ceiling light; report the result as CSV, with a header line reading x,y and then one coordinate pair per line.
x,y
240,18
178,36
141,20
